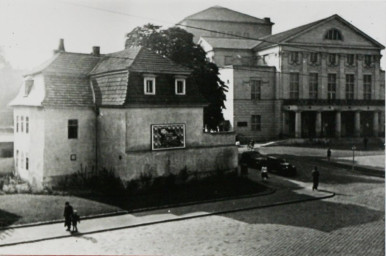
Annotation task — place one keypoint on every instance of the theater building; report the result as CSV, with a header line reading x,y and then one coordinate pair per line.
x,y
322,79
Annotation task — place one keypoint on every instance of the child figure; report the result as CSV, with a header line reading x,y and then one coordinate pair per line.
x,y
75,219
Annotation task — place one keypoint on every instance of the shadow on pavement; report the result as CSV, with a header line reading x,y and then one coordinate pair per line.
x,y
7,218
321,215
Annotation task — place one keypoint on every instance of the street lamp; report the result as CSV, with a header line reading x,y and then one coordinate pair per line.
x,y
353,157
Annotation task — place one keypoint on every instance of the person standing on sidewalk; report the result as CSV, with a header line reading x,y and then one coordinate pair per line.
x,y
315,178
68,211
328,154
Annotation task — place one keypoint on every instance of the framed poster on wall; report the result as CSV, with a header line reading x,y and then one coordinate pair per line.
x,y
167,136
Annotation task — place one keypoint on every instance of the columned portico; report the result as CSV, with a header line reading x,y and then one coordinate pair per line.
x,y
338,123
339,119
298,124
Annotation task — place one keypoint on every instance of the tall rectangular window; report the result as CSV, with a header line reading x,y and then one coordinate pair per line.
x,y
149,85
331,90
313,85
26,124
21,124
73,129
26,161
17,123
255,89
294,85
256,123
349,87
180,87
367,87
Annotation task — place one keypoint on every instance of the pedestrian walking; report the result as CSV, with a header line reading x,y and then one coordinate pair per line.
x,y
252,144
328,154
264,173
68,211
315,178
75,219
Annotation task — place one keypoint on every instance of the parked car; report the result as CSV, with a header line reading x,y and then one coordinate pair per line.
x,y
253,159
280,166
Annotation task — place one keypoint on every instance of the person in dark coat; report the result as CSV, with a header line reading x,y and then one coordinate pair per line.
x,y
315,178
68,211
328,154
75,219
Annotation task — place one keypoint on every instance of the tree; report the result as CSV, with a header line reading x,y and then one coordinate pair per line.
x,y
177,44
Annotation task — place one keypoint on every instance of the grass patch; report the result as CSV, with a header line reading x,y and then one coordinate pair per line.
x,y
29,208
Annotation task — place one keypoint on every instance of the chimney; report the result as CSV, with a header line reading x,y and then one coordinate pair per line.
x,y
96,50
267,20
60,47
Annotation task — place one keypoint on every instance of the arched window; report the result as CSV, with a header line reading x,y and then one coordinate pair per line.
x,y
333,34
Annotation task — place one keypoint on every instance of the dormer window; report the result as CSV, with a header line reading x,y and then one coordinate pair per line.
x,y
149,85
28,86
180,86
333,34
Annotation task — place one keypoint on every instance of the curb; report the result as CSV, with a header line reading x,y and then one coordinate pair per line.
x,y
177,219
269,191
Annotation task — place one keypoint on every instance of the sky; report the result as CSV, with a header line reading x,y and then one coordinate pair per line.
x,y
30,29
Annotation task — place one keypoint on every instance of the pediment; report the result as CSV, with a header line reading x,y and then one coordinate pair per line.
x,y
351,36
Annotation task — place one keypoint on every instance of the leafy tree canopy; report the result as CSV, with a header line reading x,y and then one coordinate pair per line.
x,y
177,44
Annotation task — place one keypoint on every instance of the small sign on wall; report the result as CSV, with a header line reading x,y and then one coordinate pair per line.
x,y
167,136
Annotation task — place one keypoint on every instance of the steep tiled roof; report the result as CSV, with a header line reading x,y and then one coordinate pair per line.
x,y
281,37
116,61
148,61
230,43
62,90
218,13
68,63
138,59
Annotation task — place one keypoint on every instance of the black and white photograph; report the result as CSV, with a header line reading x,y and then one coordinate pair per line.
x,y
192,127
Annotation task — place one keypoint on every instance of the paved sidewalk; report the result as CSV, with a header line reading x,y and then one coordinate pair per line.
x,y
287,192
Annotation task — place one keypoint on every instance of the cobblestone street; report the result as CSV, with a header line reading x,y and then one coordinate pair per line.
x,y
351,223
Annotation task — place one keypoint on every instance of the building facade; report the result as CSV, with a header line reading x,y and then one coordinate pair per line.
x,y
321,79
132,112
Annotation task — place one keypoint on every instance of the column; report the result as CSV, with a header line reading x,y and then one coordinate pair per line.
x,y
337,124
340,89
358,90
298,124
357,124
322,87
375,124
304,86
375,90
318,124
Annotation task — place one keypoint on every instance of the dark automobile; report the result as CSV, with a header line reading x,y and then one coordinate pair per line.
x,y
280,166
253,159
